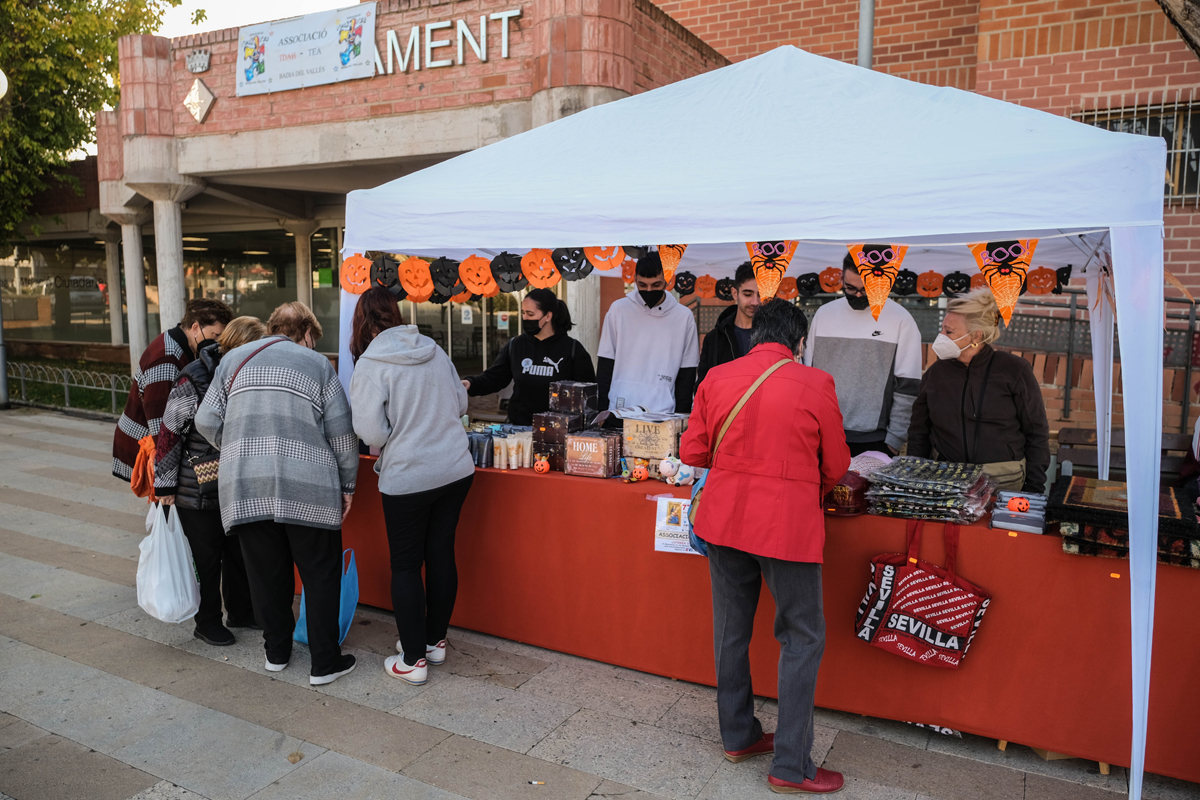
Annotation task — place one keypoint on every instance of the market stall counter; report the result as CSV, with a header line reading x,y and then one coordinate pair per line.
x,y
568,564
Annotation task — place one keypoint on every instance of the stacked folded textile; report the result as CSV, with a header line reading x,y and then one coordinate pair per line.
x,y
918,488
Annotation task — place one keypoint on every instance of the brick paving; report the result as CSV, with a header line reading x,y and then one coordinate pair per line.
x,y
99,701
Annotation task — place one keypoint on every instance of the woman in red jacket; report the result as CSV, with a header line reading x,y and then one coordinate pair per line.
x,y
762,518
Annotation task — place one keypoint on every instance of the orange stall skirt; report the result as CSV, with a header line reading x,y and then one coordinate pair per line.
x,y
569,564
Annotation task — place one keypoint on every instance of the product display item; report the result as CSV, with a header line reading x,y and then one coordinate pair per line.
x,y
917,488
552,427
592,454
652,438
1081,539
1104,504
574,397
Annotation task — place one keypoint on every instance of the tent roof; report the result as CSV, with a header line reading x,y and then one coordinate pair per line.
x,y
787,145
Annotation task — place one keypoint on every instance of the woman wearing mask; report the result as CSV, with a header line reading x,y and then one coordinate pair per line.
x,y
407,399
219,564
542,354
977,405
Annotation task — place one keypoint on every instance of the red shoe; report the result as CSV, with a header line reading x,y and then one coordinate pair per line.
x,y
826,782
764,745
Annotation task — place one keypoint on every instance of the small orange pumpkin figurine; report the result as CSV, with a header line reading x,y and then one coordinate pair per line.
x,y
628,270
541,466
706,287
538,266
475,273
604,257
788,289
1018,504
356,274
978,281
831,280
929,284
1040,280
415,278
641,473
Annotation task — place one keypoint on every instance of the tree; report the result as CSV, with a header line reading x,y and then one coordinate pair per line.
x,y
61,60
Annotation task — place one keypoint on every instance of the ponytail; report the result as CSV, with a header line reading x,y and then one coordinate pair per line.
x,y
548,303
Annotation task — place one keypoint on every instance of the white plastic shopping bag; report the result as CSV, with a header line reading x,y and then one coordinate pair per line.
x,y
167,588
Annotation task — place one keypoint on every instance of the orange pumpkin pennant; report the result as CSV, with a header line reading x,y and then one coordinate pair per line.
x,y
1041,280
604,257
475,272
1004,266
770,261
929,284
830,279
706,287
415,278
355,274
787,289
978,281
670,255
878,264
628,271
538,267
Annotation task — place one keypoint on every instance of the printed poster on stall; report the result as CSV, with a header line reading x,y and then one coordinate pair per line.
x,y
671,526
325,47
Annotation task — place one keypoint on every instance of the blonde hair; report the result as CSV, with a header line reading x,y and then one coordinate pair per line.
x,y
240,331
979,310
294,320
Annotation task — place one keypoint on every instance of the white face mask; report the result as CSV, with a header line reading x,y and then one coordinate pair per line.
x,y
946,348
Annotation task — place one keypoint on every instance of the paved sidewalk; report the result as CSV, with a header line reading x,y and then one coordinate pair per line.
x,y
100,702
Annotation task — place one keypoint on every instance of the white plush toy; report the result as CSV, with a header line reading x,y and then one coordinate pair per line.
x,y
676,473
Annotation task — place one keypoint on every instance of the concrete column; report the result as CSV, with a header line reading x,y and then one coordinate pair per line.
x,y
112,260
135,289
168,252
302,231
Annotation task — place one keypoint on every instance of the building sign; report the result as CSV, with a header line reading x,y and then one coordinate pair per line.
x,y
326,47
446,43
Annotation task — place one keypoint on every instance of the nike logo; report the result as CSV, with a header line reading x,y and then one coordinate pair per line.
x,y
877,333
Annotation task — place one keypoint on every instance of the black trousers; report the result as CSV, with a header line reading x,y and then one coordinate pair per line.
x,y
420,529
737,579
270,549
858,448
220,568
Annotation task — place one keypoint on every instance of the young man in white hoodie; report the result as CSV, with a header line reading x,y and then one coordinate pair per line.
x,y
876,364
649,348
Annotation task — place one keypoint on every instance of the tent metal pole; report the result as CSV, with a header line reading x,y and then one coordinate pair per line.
x,y
866,32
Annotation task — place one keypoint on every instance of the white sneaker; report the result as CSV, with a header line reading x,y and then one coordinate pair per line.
x,y
435,654
416,675
276,667
347,666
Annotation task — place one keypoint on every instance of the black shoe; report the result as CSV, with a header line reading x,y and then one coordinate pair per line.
x,y
217,637
344,667
243,623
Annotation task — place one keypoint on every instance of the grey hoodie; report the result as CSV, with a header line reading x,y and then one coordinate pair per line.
x,y
407,398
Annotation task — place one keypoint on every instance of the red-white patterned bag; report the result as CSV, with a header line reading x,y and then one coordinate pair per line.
x,y
918,610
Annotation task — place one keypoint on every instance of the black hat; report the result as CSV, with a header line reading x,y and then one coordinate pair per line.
x,y
506,269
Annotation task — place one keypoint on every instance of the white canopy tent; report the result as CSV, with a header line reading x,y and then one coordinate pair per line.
x,y
790,145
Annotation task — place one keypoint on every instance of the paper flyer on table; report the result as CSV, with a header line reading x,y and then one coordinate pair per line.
x,y
671,525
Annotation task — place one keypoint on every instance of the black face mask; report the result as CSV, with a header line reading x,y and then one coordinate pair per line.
x,y
651,298
531,327
203,343
858,302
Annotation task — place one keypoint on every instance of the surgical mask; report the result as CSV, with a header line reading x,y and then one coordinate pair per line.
x,y
531,327
651,298
946,348
858,302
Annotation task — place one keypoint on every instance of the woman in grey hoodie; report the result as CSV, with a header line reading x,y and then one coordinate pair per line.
x,y
407,398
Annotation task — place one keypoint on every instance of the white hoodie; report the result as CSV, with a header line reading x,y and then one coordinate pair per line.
x,y
648,346
407,398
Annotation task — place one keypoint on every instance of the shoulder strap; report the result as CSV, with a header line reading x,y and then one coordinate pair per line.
x,y
746,397
252,355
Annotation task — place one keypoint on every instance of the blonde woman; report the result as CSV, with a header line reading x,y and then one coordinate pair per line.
x,y
978,405
218,557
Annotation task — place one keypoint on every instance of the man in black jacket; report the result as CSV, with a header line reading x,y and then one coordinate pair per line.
x,y
730,337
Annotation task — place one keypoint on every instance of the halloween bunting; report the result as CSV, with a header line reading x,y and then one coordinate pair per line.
x,y
956,283
538,266
1064,277
628,271
572,263
444,272
1041,281
355,274
725,288
604,257
414,277
929,284
770,261
506,269
809,284
385,273
905,283
706,287
831,280
475,273
1004,266
787,289
878,264
670,255
978,281
685,283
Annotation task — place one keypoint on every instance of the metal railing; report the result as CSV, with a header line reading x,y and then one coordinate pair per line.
x,y
117,386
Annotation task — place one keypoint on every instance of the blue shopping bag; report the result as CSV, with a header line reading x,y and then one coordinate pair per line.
x,y
349,603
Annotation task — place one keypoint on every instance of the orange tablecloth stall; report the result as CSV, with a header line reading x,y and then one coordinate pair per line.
x,y
569,564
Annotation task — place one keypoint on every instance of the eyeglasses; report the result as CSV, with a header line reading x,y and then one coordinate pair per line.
x,y
853,291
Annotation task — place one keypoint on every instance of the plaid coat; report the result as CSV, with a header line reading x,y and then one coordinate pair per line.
x,y
157,371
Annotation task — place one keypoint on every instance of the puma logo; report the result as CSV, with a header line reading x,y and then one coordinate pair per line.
x,y
548,360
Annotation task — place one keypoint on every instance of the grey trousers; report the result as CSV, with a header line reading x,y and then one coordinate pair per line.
x,y
800,628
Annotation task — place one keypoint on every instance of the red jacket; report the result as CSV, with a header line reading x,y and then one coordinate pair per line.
x,y
784,451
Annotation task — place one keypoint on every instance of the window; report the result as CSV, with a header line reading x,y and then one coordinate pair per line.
x,y
1178,124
